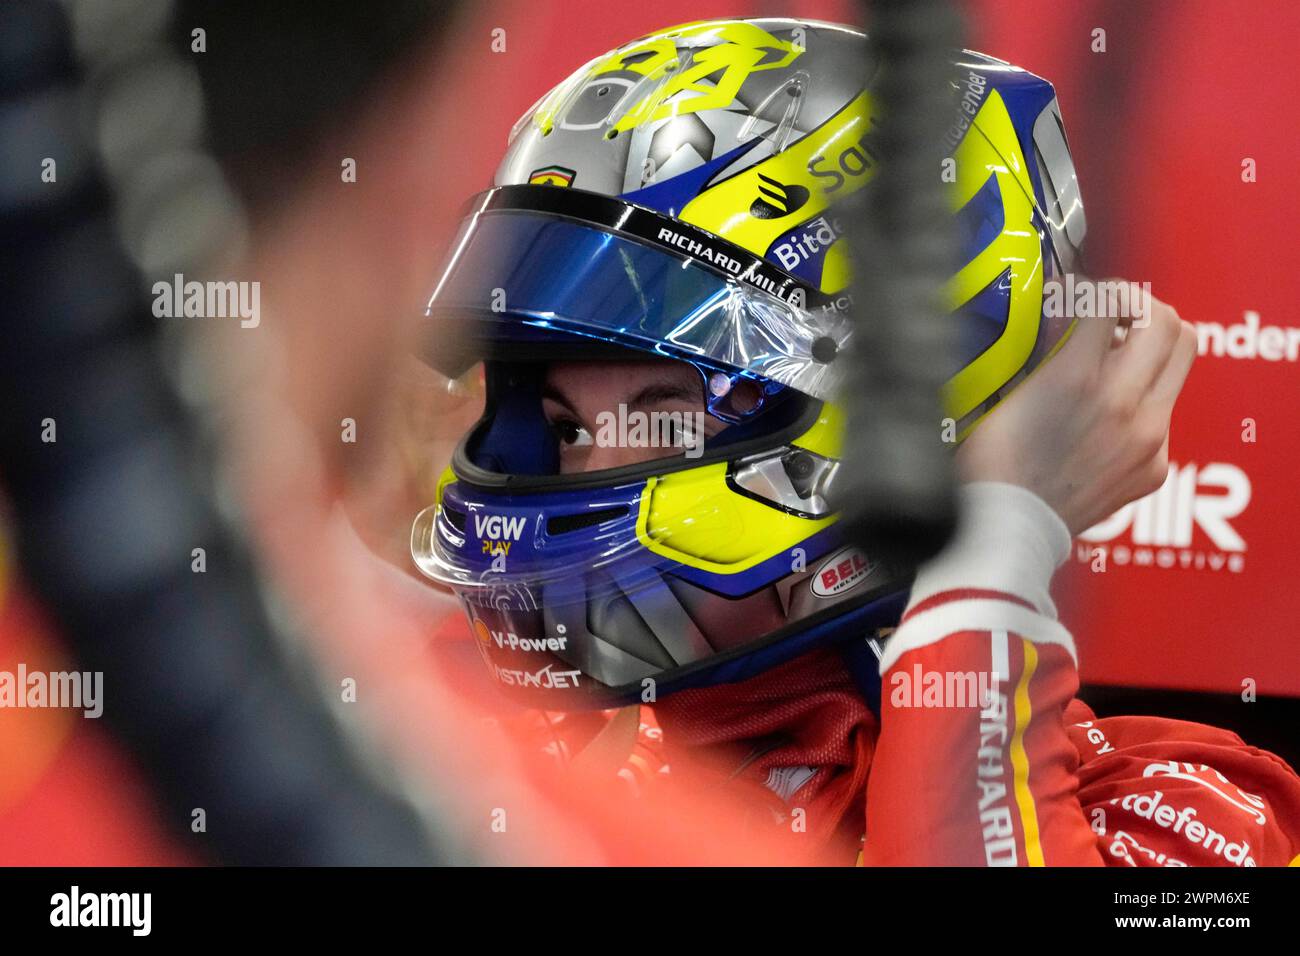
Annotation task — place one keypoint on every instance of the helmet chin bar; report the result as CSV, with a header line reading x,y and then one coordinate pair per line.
x,y
563,665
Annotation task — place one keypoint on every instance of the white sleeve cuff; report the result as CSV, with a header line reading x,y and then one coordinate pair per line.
x,y
1008,539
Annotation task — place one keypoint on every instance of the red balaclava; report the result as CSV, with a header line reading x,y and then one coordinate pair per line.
x,y
804,716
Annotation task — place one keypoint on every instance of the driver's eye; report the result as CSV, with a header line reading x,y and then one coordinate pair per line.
x,y
570,432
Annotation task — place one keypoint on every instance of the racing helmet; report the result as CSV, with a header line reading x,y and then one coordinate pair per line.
x,y
675,199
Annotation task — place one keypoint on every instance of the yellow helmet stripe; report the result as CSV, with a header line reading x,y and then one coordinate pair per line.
x,y
993,150
834,147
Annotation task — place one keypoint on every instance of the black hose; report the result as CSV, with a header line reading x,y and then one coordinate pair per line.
x,y
896,484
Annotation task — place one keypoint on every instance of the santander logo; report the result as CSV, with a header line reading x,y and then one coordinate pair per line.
x,y
1248,340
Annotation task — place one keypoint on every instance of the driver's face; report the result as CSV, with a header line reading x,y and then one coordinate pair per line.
x,y
578,397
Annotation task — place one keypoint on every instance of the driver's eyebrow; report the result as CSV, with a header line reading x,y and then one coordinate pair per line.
x,y
556,395
659,392
654,393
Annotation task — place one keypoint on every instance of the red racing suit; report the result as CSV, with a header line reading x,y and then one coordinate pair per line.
x,y
981,755
1032,777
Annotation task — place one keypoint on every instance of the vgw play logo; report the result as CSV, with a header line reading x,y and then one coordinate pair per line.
x,y
1159,529
498,532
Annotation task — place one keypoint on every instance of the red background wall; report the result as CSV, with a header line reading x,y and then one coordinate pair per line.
x,y
1160,124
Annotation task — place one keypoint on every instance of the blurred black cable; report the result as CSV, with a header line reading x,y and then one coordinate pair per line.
x,y
195,681
896,485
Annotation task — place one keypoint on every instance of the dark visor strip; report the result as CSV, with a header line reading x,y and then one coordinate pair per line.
x,y
655,229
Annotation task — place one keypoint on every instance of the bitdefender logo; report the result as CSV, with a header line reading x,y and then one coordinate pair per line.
x,y
777,200
1158,530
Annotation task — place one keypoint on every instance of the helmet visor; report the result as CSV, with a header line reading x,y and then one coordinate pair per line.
x,y
532,261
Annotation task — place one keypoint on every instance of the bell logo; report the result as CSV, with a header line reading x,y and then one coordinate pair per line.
x,y
843,571
1205,497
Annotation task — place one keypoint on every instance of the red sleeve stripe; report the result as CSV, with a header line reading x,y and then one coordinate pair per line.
x,y
973,614
961,594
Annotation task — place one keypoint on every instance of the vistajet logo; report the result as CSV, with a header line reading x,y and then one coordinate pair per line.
x,y
545,679
1160,527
